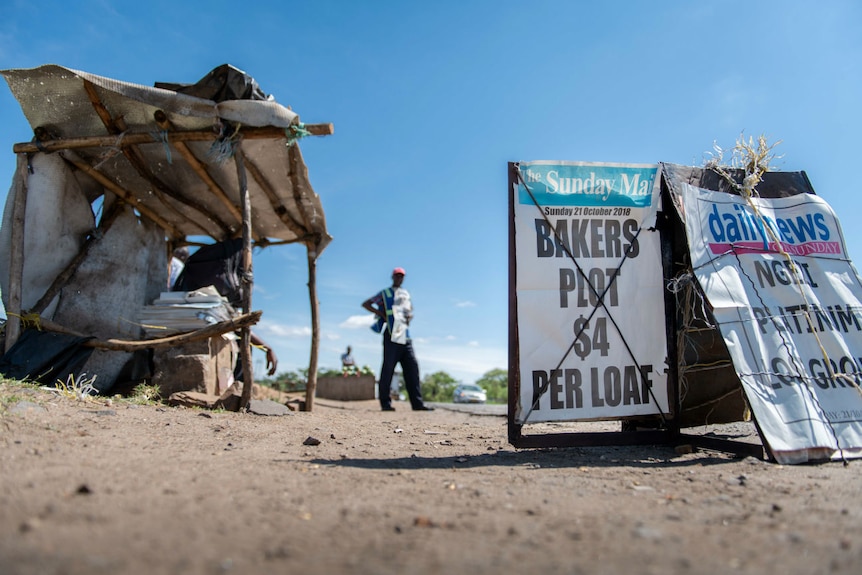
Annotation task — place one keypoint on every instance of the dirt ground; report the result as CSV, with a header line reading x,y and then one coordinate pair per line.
x,y
108,486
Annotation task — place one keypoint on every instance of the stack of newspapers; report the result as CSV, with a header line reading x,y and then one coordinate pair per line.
x,y
183,311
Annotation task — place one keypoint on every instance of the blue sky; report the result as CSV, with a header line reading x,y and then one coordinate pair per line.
x,y
430,100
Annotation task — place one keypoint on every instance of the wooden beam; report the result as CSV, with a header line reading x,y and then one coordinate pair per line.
x,y
294,157
266,132
165,124
139,163
277,206
216,329
100,108
126,195
16,257
301,240
117,126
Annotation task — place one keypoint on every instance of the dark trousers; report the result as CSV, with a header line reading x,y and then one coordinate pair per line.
x,y
393,354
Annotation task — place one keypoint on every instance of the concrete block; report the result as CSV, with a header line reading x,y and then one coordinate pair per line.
x,y
205,367
346,388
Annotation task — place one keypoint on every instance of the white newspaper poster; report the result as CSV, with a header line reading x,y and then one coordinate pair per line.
x,y
787,300
590,303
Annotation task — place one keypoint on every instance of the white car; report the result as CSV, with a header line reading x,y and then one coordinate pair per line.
x,y
469,393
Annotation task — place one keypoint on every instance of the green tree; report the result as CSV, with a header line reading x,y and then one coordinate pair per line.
x,y
438,386
287,381
496,384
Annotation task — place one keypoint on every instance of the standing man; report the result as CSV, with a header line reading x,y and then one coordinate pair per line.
x,y
394,311
347,359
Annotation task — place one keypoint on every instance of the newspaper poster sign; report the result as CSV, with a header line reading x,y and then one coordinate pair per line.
x,y
787,300
590,304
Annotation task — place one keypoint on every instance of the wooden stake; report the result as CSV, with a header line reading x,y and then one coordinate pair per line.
x,y
311,386
247,279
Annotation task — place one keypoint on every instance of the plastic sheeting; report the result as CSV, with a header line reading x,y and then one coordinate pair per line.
x,y
45,357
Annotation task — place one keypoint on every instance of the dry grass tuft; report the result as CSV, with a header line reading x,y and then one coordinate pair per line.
x,y
753,157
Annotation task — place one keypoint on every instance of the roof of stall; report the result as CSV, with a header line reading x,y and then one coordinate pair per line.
x,y
171,153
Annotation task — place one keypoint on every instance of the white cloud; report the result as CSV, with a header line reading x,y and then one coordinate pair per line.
x,y
282,330
358,321
465,304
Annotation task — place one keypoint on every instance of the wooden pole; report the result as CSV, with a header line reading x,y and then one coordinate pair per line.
x,y
247,279
311,386
16,257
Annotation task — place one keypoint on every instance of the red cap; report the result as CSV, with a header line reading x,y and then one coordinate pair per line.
x,y
399,271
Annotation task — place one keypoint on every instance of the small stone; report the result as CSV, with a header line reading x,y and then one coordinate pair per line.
x,y
23,407
646,532
311,441
267,407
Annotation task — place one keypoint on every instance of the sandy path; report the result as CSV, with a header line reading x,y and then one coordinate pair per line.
x,y
120,488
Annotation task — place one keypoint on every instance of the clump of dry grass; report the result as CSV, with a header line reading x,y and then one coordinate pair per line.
x,y
753,157
146,393
80,388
